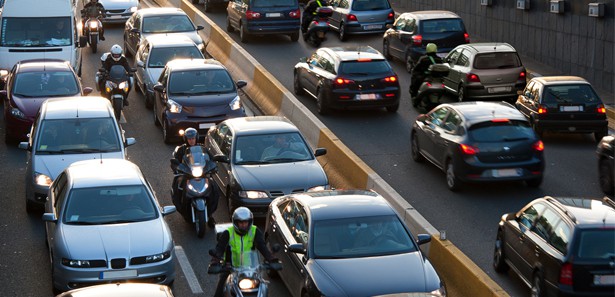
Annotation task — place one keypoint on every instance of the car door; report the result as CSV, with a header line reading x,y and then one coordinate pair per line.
x,y
219,141
451,60
56,200
160,97
457,75
294,228
141,63
537,246
523,101
515,238
234,9
401,36
448,136
340,10
431,132
133,38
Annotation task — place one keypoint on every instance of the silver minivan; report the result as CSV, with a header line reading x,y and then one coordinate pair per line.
x,y
67,130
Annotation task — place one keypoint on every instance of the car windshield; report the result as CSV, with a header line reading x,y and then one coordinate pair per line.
x,y
597,244
364,67
167,24
45,84
201,82
273,3
577,94
366,5
78,136
497,60
36,32
109,205
159,56
499,131
270,148
360,237
441,26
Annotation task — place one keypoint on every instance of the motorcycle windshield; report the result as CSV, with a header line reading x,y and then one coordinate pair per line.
x,y
196,156
249,261
117,73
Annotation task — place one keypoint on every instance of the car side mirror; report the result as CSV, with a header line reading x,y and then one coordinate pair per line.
x,y
140,64
320,151
297,248
159,87
199,27
169,209
130,141
24,145
420,117
134,30
87,91
423,238
221,158
241,83
49,217
83,41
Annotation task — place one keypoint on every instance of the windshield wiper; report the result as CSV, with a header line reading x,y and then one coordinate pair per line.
x,y
182,93
50,152
249,163
85,150
23,95
282,160
123,221
82,223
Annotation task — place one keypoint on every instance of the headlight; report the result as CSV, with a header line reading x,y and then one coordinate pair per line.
x,y
253,194
197,171
93,25
439,292
133,9
173,106
235,104
247,284
76,263
318,188
157,257
17,113
42,179
124,85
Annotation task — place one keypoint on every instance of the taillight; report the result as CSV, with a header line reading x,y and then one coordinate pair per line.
x,y
538,146
467,37
417,40
471,77
340,81
542,109
468,149
565,275
390,79
601,109
351,18
390,16
252,15
295,14
522,75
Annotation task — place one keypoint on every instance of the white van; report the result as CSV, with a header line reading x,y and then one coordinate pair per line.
x,y
39,29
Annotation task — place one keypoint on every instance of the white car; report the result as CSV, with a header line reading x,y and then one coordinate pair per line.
x,y
118,11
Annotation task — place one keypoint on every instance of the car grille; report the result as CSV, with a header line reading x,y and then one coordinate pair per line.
x,y
115,11
118,263
275,194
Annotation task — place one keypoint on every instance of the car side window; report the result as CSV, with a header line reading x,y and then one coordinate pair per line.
x,y
528,90
326,62
436,118
219,134
343,4
400,24
463,59
58,191
163,77
452,122
313,60
536,92
227,141
561,236
545,224
296,220
410,26
137,22
452,57
529,215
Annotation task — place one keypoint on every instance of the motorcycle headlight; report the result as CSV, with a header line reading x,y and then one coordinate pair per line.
x,y
253,194
17,113
42,179
75,263
93,25
124,86
235,104
173,106
318,188
197,171
247,284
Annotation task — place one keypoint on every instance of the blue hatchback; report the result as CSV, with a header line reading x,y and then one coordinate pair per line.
x,y
259,17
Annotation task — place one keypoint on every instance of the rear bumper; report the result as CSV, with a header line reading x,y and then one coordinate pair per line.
x,y
476,171
572,126
286,28
360,28
341,99
482,93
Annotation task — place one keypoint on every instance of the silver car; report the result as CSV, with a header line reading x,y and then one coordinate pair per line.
x,y
118,11
104,224
361,17
154,53
159,20
67,130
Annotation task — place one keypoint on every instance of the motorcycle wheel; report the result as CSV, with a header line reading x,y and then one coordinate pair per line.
x,y
200,223
93,44
117,108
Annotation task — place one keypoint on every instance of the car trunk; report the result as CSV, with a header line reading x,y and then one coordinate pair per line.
x,y
503,142
592,269
571,102
498,69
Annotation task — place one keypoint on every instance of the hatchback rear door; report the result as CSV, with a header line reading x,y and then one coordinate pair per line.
x,y
594,254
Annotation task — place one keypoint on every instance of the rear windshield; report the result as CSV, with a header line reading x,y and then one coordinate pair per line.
x,y
364,68
501,131
497,61
597,244
442,26
581,93
274,3
366,5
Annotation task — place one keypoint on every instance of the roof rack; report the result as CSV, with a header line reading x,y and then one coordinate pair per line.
x,y
608,202
561,207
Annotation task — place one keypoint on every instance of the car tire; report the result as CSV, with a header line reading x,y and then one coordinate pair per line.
x,y
294,37
599,134
499,262
323,108
452,181
297,87
385,50
243,33
409,62
149,99
534,183
393,108
461,94
155,112
537,288
415,150
606,177
229,27
342,33
165,132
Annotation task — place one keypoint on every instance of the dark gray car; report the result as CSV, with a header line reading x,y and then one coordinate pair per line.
x,y
360,17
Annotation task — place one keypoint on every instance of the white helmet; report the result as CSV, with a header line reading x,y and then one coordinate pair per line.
x,y
116,52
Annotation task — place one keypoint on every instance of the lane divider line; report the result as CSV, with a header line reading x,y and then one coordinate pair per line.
x,y
193,282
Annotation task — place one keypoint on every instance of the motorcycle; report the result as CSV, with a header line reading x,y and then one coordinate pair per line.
x,y
192,185
93,27
247,278
318,27
432,91
117,85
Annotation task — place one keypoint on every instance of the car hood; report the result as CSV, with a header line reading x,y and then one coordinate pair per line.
x,y
191,34
118,4
371,276
29,106
52,165
115,240
205,105
284,177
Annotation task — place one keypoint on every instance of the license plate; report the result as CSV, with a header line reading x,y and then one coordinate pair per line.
x,y
608,279
366,97
498,89
116,16
571,108
205,125
118,274
273,15
372,27
506,172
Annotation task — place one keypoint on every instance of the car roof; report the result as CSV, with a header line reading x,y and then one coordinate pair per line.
x,y
163,40
43,65
96,173
194,64
432,14
585,211
160,11
76,107
560,80
338,204
480,111
351,53
489,47
260,125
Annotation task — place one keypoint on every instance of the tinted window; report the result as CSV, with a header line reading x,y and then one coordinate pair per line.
x,y
530,214
497,61
273,3
501,131
45,84
437,116
36,32
75,136
366,5
167,23
441,26
195,82
561,236
364,68
296,220
545,224
570,94
159,57
597,244
271,148
463,59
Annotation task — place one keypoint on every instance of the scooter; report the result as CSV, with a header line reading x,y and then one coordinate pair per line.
x,y
117,85
432,92
318,27
93,27
193,184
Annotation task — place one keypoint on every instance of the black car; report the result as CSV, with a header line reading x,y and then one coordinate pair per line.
x,y
348,77
479,142
412,31
606,166
563,104
560,246
260,17
347,243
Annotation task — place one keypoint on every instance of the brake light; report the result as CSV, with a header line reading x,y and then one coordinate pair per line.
x,y
252,15
428,84
340,81
351,18
522,75
500,120
539,146
417,40
468,149
467,37
391,79
295,14
542,109
565,275
364,60
471,77
390,16
601,109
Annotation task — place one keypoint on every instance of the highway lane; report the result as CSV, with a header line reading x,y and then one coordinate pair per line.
x,y
382,140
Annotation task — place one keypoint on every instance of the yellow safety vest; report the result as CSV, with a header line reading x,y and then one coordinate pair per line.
x,y
239,244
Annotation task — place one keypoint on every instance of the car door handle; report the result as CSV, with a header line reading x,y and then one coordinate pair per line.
x,y
521,238
536,253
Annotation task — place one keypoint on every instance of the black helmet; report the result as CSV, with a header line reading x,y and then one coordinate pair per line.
x,y
242,214
190,133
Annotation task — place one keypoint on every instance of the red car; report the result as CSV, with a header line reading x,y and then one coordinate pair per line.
x,y
28,85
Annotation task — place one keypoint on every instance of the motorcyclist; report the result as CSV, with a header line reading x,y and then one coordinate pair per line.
x,y
93,9
309,11
191,136
419,72
242,237
114,57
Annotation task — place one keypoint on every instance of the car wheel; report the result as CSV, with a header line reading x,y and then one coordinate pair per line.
x,y
499,264
31,206
534,183
155,112
165,132
461,94
294,36
229,27
149,99
393,108
415,150
599,134
243,33
606,176
537,287
298,88
342,33
323,107
385,50
409,63
452,181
